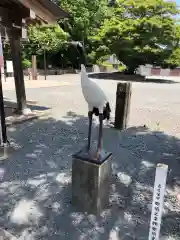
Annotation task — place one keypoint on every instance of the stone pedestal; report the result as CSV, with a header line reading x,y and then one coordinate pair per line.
x,y
7,150
4,235
90,182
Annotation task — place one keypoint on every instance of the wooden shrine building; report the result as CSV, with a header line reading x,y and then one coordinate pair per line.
x,y
14,17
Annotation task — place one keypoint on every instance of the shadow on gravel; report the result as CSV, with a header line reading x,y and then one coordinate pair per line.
x,y
36,187
134,78
10,107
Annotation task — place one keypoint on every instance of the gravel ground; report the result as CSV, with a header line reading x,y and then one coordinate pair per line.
x,y
35,190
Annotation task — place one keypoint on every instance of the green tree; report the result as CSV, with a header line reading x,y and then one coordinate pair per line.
x,y
43,38
137,31
49,38
86,17
174,59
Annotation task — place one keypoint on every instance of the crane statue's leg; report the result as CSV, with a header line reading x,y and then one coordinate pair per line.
x,y
99,147
90,115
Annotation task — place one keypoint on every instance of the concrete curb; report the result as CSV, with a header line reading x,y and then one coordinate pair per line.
x,y
4,235
15,120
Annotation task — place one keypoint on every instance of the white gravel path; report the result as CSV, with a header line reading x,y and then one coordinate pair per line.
x,y
35,192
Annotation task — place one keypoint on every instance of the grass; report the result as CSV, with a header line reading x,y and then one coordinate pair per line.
x,y
110,66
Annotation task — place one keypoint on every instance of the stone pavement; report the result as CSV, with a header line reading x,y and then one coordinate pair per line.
x,y
40,83
35,189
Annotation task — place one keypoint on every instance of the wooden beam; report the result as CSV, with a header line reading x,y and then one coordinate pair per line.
x,y
39,10
14,11
4,13
32,14
9,20
8,17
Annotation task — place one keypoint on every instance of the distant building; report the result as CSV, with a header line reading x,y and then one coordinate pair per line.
x,y
150,70
14,16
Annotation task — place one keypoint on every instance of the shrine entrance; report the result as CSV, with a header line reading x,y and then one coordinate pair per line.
x,y
15,15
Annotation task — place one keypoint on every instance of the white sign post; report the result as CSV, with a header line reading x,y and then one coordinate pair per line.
x,y
158,201
9,67
1,66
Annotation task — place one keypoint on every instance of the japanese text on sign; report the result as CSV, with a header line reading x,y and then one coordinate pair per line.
x,y
156,213
158,201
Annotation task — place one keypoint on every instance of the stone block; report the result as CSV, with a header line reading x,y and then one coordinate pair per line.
x,y
7,150
91,182
4,235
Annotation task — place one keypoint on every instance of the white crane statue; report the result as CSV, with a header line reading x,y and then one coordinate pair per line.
x,y
97,104
96,100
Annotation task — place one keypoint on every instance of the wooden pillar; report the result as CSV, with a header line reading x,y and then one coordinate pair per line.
x,y
18,72
34,67
123,100
3,116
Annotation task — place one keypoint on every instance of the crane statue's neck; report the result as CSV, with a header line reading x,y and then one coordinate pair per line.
x,y
83,68
84,76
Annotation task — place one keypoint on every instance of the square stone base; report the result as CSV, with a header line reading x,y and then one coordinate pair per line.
x,y
4,235
6,151
91,182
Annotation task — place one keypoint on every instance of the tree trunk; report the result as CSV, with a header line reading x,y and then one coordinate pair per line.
x,y
130,69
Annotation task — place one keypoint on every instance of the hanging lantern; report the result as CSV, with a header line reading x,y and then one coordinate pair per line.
x,y
32,14
24,29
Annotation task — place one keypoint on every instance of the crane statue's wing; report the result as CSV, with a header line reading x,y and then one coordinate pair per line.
x,y
93,93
